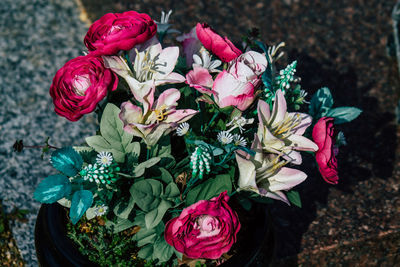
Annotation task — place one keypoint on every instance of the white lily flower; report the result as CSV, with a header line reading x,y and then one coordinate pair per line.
x,y
206,62
265,174
152,66
239,122
163,26
281,132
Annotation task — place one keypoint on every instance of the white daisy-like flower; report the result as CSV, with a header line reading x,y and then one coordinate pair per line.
x,y
239,140
100,210
206,62
239,122
224,137
104,159
182,129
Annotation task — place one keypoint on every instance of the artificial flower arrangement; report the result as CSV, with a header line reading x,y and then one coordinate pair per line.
x,y
182,131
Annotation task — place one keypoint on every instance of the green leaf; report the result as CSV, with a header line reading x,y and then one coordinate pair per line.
x,y
172,191
67,161
294,198
52,188
154,217
321,103
113,137
344,114
124,208
120,225
81,201
162,251
209,189
145,236
140,169
146,194
166,176
146,252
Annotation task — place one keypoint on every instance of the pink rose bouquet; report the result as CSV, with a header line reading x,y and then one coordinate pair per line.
x,y
180,137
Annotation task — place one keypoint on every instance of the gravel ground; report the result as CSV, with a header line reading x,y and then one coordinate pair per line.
x,y
36,38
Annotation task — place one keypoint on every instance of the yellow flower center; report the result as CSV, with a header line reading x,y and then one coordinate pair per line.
x,y
161,113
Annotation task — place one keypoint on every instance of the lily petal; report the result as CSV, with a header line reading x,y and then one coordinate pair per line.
x,y
302,143
286,178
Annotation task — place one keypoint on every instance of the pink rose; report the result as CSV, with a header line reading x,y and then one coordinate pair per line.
x,y
206,229
221,47
119,31
230,91
324,136
79,85
249,67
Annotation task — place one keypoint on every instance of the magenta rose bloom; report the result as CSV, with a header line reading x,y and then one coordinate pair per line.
x,y
119,31
206,229
324,136
221,47
79,85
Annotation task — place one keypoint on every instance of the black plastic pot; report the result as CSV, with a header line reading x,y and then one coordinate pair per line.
x,y
54,248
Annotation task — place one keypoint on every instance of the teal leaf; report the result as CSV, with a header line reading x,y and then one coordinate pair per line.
x,y
344,114
52,188
154,217
209,189
146,194
162,251
267,79
294,198
321,103
81,201
67,161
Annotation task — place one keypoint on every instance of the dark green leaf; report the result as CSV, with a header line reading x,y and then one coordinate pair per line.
x,y
52,188
294,198
210,188
113,137
172,191
124,208
81,201
321,103
162,251
140,169
154,217
146,252
67,161
146,194
344,114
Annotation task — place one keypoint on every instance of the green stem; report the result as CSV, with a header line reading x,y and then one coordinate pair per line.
x,y
212,120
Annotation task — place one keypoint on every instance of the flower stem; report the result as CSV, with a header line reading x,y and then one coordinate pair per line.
x,y
211,121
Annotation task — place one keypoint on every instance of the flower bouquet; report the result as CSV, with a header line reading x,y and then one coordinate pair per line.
x,y
190,137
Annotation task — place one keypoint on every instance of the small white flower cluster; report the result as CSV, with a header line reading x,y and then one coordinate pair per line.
x,y
182,129
225,137
104,159
100,210
200,160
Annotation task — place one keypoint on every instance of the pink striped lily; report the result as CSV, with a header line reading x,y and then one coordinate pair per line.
x,y
156,118
265,174
280,132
